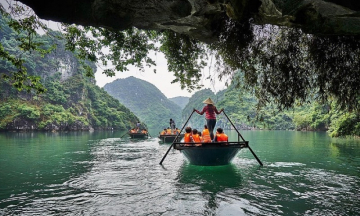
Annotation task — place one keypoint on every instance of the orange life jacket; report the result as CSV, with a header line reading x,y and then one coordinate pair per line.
x,y
206,136
196,138
221,137
168,131
162,132
188,138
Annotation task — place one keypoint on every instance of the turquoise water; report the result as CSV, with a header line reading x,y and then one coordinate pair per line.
x,y
100,173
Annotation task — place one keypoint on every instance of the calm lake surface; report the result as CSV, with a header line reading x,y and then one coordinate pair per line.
x,y
99,173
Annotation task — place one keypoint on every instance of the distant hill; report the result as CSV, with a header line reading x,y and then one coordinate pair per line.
x,y
180,101
240,106
146,101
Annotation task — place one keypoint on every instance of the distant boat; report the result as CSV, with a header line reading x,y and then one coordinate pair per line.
x,y
210,154
169,138
138,135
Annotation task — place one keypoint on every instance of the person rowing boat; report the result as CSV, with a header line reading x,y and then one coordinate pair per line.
x,y
210,116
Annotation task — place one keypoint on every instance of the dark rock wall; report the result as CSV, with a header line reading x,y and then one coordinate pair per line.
x,y
196,18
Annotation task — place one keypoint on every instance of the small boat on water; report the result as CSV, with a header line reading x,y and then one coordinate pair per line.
x,y
169,138
210,154
138,135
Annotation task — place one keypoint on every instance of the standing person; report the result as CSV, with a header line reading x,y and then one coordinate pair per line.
x,y
138,124
172,124
211,111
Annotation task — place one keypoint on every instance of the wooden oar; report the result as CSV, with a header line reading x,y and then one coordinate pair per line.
x,y
243,139
233,126
124,135
176,138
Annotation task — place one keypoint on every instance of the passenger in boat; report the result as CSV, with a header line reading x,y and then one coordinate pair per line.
x,y
172,124
206,135
201,139
220,136
211,111
133,130
196,137
176,131
144,131
163,132
168,131
188,136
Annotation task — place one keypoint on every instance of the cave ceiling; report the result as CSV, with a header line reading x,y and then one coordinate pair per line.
x,y
199,18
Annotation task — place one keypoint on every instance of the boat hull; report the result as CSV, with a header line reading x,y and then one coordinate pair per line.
x,y
210,154
138,135
171,138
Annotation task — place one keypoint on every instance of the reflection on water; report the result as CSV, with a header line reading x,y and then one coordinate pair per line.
x,y
211,182
210,178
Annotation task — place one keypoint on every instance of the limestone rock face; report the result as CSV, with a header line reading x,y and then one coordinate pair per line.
x,y
199,18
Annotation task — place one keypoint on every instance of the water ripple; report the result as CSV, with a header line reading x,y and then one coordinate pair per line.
x,y
122,176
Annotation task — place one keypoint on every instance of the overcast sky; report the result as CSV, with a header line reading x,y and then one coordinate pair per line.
x,y
162,79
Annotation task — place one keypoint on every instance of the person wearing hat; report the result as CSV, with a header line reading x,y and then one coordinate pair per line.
x,y
211,111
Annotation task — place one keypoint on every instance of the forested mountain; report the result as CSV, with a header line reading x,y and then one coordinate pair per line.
x,y
72,102
241,108
146,101
181,101
238,108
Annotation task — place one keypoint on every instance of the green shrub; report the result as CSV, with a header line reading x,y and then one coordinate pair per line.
x,y
29,112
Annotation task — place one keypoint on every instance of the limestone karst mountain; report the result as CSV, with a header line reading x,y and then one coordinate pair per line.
x,y
180,101
145,100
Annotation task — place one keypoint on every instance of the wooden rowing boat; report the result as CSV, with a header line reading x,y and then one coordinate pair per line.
x,y
138,135
169,138
210,154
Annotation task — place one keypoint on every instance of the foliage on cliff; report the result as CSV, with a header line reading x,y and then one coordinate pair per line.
x,y
146,101
243,110
71,102
74,104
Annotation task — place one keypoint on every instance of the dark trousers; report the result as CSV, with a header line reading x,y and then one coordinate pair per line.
x,y
211,125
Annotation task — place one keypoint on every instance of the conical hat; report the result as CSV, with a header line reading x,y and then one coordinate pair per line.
x,y
208,101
